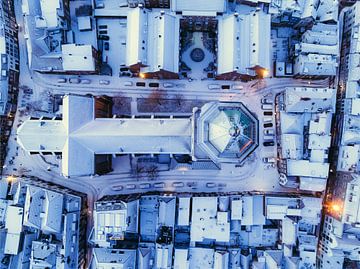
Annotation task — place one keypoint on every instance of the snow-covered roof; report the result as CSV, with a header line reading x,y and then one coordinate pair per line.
x,y
78,57
221,259
315,65
349,158
163,256
13,225
204,224
288,231
3,74
307,169
253,210
43,209
105,258
309,99
153,41
181,259
210,8
292,146
201,258
49,9
79,136
312,183
244,42
183,211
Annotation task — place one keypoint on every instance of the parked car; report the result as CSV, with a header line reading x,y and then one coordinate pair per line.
x,y
85,81
128,83
210,185
154,85
269,132
61,80
130,186
268,119
145,186
268,113
214,87
225,87
103,37
104,82
117,187
159,185
269,160
237,87
266,107
140,84
74,80
266,101
178,184
269,143
106,45
168,85
268,137
268,125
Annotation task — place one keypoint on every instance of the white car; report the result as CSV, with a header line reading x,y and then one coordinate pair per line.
x,y
61,80
159,185
168,85
268,119
178,184
237,87
128,83
214,87
85,81
144,186
210,185
269,132
266,101
266,107
117,187
74,80
269,160
130,186
104,82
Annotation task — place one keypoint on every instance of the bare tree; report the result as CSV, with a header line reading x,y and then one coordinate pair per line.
x,y
179,98
155,98
152,172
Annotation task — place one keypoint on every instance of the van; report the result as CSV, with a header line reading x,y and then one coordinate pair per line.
x,y
214,87
266,107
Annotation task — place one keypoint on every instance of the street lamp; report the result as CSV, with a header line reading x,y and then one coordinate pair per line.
x,y
142,75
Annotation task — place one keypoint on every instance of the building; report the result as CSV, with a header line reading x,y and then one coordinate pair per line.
x,y
243,41
214,231
44,225
304,117
153,44
227,132
316,55
9,79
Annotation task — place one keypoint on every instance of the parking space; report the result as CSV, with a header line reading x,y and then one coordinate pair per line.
x,y
113,49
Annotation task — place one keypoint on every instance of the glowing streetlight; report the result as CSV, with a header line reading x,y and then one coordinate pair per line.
x,y
10,179
142,75
265,73
335,207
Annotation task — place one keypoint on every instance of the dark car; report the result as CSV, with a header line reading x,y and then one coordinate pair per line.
x,y
103,37
106,46
268,125
268,113
268,143
154,85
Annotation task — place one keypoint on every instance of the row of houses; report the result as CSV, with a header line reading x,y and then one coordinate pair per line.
x,y
304,118
339,241
9,73
190,231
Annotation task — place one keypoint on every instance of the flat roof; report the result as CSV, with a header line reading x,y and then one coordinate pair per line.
x,y
78,57
307,169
